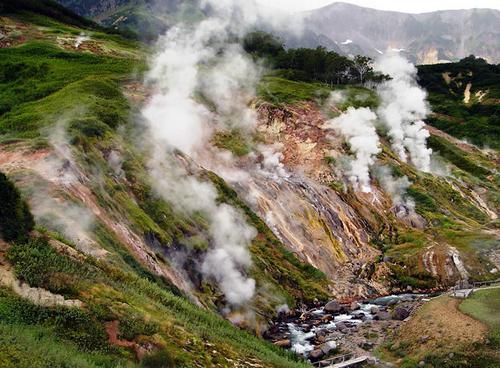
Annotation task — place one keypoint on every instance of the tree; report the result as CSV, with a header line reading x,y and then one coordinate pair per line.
x,y
363,65
16,220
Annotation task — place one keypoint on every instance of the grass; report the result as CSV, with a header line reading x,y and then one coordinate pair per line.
x,y
23,346
484,305
37,69
456,156
454,340
280,91
356,97
233,141
38,264
476,121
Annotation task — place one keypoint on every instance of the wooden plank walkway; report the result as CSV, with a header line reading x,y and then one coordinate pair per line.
x,y
350,362
341,361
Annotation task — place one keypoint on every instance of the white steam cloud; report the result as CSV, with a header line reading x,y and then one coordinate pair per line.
x,y
336,97
402,108
81,39
230,86
357,126
51,208
195,64
395,187
271,165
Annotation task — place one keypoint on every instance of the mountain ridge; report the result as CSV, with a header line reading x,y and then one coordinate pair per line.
x,y
425,38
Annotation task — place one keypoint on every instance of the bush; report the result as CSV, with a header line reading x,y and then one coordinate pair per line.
x,y
164,358
232,141
423,201
90,127
134,326
71,324
16,220
37,263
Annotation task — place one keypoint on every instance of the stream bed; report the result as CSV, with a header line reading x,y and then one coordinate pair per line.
x,y
335,328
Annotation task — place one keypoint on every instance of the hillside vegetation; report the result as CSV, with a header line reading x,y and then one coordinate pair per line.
x,y
99,270
464,98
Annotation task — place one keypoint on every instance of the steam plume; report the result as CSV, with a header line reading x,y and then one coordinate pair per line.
x,y
357,126
395,187
193,62
402,108
72,220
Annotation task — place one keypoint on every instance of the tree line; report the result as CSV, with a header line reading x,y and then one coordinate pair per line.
x,y
310,65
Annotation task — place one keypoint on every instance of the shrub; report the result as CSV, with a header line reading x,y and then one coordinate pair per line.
x,y
90,127
37,263
16,220
164,358
423,201
133,326
68,323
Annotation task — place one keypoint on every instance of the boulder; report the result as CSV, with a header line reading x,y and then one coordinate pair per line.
x,y
354,306
332,306
320,333
341,326
366,345
359,315
382,316
285,344
400,313
374,310
316,354
393,301
327,347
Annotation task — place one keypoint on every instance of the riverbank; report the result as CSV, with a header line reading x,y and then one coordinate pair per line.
x,y
334,328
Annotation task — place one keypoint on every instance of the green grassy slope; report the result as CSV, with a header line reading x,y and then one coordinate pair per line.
x,y
476,120
47,84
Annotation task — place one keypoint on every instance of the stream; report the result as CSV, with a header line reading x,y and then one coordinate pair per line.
x,y
329,329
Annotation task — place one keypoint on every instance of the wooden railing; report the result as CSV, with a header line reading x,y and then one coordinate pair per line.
x,y
484,283
463,290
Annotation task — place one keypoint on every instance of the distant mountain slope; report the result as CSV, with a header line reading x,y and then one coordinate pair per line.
x,y
47,8
148,18
427,38
349,29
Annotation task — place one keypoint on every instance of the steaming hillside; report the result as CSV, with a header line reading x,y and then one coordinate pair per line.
x,y
165,202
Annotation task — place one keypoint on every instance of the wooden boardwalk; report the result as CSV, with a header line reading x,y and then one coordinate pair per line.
x,y
350,362
341,361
